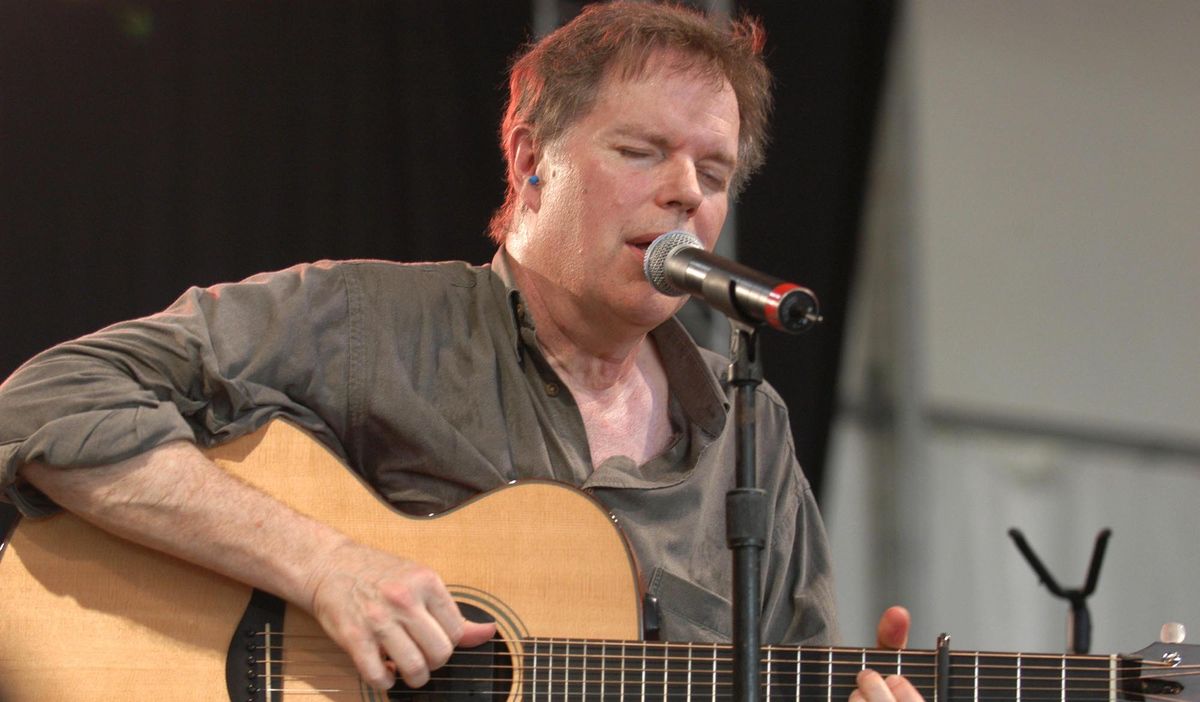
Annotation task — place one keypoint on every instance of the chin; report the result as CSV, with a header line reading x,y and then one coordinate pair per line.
x,y
655,311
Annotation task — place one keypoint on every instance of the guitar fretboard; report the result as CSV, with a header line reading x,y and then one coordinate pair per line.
x,y
599,670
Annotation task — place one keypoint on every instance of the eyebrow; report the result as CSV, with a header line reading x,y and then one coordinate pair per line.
x,y
660,141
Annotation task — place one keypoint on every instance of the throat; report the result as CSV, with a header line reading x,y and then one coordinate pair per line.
x,y
630,418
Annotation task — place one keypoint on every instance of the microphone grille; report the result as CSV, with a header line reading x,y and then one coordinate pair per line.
x,y
654,264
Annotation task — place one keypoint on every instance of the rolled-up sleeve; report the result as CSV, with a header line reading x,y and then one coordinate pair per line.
x,y
217,363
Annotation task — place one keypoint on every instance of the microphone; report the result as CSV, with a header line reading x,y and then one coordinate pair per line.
x,y
677,264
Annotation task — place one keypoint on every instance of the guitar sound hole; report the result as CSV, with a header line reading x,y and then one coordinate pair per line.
x,y
481,672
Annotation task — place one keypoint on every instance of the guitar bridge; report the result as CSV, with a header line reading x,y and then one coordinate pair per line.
x,y
252,664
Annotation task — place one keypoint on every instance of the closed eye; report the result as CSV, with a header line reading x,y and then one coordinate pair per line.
x,y
716,180
633,153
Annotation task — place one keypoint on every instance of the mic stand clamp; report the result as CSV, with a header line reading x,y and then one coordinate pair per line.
x,y
1079,621
746,516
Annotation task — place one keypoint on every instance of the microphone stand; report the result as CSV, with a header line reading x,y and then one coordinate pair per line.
x,y
746,516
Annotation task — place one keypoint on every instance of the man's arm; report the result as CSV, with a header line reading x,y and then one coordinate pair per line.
x,y
376,606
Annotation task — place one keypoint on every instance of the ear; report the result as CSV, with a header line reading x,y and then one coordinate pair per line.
x,y
524,158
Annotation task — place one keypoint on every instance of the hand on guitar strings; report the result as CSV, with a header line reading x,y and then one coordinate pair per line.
x,y
892,633
390,615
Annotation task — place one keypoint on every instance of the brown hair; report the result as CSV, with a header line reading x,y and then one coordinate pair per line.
x,y
555,80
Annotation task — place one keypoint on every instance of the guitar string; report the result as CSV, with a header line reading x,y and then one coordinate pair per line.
x,y
583,650
850,656
715,695
1030,685
1030,682
444,694
575,687
582,662
679,677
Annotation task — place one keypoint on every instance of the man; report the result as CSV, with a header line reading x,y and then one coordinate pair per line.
x,y
439,381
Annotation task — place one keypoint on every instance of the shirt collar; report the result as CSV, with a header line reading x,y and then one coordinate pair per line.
x,y
509,298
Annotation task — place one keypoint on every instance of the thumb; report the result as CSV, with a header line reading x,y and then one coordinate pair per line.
x,y
893,628
475,633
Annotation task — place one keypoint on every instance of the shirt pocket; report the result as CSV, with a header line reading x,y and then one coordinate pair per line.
x,y
689,612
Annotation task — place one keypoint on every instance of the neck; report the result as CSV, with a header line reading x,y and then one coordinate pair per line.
x,y
590,353
596,669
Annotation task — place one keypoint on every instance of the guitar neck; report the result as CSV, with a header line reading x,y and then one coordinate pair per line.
x,y
582,669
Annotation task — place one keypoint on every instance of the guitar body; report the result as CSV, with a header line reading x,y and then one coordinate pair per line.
x,y
88,616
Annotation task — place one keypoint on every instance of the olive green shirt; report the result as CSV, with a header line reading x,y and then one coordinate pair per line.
x,y
427,378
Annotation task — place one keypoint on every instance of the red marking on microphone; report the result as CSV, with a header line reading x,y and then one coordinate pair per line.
x,y
771,310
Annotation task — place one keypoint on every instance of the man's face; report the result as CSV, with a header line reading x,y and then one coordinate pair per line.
x,y
655,153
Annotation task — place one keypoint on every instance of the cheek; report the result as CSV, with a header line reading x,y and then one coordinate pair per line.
x,y
711,218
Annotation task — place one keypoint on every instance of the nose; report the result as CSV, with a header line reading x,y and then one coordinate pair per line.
x,y
680,187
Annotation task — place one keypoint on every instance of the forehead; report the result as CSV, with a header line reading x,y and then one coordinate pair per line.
x,y
667,89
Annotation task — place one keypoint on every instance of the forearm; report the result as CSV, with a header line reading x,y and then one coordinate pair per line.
x,y
175,500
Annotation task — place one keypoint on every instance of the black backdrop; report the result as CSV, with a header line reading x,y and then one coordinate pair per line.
x,y
148,146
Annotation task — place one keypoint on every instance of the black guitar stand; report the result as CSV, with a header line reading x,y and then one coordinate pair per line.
x,y
1079,620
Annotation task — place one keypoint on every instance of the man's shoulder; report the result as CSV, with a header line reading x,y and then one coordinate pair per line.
x,y
451,272
404,278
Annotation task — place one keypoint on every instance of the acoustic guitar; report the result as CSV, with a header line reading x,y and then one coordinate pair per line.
x,y
87,616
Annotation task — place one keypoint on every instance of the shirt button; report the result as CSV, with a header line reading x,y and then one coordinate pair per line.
x,y
552,389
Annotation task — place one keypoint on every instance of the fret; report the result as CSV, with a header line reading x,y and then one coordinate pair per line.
x,y
690,649
829,677
798,686
667,660
784,663
964,677
602,670
713,688
534,671
645,673
1019,677
766,676
586,670
1089,679
844,678
575,671
997,678
1112,678
883,662
975,677
624,667
815,667
1042,677
676,678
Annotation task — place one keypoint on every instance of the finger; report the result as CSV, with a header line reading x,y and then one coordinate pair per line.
x,y
903,690
893,628
405,655
444,610
871,687
430,637
462,632
370,664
